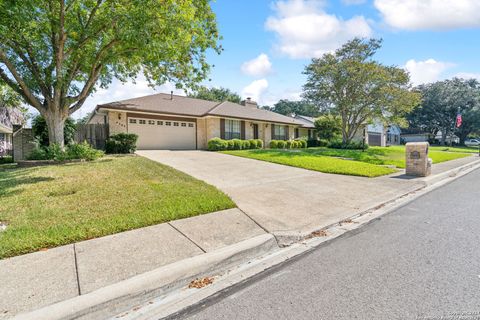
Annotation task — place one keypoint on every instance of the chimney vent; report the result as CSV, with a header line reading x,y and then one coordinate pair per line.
x,y
248,102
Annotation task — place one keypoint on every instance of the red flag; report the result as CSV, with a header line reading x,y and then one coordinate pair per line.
x,y
458,123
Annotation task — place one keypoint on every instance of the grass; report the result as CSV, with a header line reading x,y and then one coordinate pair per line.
x,y
455,149
369,163
51,206
312,161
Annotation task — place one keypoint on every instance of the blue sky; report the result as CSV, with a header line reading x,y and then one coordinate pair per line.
x,y
268,43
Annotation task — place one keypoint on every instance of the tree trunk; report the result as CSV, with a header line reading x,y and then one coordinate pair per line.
x,y
444,137
56,124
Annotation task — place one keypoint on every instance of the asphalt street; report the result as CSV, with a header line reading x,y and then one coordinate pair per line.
x,y
421,261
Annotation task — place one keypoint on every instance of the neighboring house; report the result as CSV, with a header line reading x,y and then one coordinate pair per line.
x,y
5,139
167,121
308,128
450,138
380,135
414,135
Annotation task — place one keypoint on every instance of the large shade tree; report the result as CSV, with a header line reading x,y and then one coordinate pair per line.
x,y
349,83
288,107
12,111
215,94
55,53
442,101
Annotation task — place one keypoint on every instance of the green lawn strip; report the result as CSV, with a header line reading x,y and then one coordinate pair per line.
x,y
394,155
455,149
326,164
55,205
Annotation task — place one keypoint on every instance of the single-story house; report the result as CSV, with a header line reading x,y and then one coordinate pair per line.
x,y
5,139
381,135
167,121
308,128
414,135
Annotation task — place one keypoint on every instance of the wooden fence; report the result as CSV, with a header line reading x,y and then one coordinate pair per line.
x,y
94,134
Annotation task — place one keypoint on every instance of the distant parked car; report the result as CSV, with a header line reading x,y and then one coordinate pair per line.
x,y
472,142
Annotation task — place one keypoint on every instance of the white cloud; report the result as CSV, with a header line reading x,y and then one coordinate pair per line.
x,y
255,90
430,14
121,91
258,67
426,71
305,30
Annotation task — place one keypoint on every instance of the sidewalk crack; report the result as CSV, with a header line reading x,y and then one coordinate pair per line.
x,y
76,269
183,234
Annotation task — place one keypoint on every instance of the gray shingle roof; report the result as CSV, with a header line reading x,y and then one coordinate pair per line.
x,y
186,106
308,122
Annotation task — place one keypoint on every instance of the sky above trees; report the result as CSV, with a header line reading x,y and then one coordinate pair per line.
x,y
268,43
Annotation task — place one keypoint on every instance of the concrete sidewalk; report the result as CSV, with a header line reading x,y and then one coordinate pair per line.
x,y
272,199
38,279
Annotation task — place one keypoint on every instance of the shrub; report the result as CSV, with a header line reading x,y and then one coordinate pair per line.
x,y
288,144
281,144
71,152
217,144
83,151
230,144
40,130
296,144
323,143
303,143
338,144
253,144
122,143
237,144
245,144
6,159
259,143
273,144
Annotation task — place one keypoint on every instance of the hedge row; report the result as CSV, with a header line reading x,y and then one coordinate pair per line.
x,y
217,144
288,144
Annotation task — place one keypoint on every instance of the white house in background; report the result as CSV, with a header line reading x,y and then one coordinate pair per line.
x,y
414,135
451,138
380,135
5,139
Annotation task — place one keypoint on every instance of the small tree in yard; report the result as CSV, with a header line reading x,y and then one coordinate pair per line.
x,y
328,127
351,85
56,53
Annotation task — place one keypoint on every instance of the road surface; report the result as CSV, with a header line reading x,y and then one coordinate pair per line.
x,y
420,262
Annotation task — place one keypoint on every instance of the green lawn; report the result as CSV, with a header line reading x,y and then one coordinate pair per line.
x,y
55,205
369,163
313,161
455,149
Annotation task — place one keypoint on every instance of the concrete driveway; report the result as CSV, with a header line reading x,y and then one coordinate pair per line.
x,y
282,199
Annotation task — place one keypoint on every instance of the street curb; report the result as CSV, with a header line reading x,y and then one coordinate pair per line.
x,y
433,179
114,299
287,238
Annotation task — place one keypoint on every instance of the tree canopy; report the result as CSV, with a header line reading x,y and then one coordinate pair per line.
x,y
215,94
56,53
360,90
442,101
287,107
11,109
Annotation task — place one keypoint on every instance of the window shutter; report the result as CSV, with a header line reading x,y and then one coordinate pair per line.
x,y
287,133
222,128
273,132
242,130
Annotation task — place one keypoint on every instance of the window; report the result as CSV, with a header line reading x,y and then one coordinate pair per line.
x,y
279,133
160,123
151,121
168,123
184,124
175,124
232,129
190,125
132,120
142,121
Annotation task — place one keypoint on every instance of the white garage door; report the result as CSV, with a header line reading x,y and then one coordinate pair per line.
x,y
163,134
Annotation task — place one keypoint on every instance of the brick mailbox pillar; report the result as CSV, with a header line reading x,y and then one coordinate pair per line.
x,y
416,159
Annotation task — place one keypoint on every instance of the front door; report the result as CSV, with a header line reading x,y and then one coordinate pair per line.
x,y
255,131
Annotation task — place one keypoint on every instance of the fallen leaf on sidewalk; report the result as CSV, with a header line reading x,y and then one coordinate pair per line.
x,y
346,221
43,249
200,283
319,233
